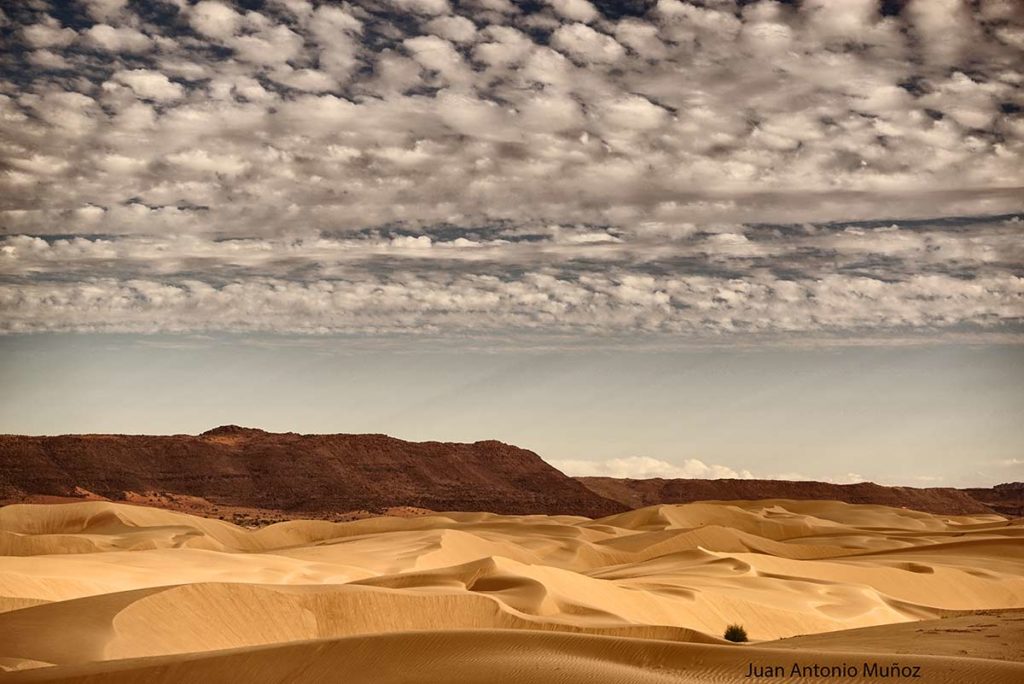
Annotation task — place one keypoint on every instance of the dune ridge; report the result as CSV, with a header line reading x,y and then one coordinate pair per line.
x,y
88,589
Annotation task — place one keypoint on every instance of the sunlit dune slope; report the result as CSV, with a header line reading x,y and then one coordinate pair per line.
x,y
995,634
101,582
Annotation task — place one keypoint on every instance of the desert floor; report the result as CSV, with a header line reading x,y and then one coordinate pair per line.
x,y
104,592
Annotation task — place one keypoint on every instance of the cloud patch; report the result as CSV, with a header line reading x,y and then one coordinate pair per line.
x,y
642,467
695,172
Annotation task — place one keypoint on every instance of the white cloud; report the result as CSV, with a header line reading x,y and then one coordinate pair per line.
x,y
456,29
551,113
506,46
534,302
309,80
848,478
120,164
502,6
48,34
119,39
575,10
150,85
633,113
428,7
439,55
332,23
203,161
841,21
104,10
946,28
271,46
642,467
470,116
215,19
641,37
586,44
48,59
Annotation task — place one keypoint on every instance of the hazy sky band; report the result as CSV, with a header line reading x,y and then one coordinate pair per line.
x,y
920,412
945,415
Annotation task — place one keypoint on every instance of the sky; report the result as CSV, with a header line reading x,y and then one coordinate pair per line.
x,y
718,238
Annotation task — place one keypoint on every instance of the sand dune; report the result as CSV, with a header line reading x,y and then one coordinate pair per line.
x,y
139,594
995,634
488,656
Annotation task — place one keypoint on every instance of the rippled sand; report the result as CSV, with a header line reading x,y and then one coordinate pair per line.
x,y
107,592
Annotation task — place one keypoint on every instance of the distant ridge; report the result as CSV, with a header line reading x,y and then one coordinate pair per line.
x,y
1006,498
238,466
234,430
940,500
283,475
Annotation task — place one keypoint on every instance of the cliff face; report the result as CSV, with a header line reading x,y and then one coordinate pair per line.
x,y
638,493
292,472
317,474
1007,498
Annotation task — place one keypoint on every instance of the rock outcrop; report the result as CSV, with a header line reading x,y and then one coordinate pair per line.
x,y
311,474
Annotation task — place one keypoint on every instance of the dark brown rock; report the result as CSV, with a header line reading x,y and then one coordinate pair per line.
x,y
639,493
1006,498
238,466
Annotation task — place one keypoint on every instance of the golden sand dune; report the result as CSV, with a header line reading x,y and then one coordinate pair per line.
x,y
152,595
489,656
995,634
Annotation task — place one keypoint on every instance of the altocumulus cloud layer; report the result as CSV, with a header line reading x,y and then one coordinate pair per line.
x,y
693,171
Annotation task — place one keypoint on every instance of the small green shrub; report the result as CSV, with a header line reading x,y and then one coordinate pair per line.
x,y
735,633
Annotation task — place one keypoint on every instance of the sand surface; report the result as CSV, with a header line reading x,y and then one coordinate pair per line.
x,y
97,591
